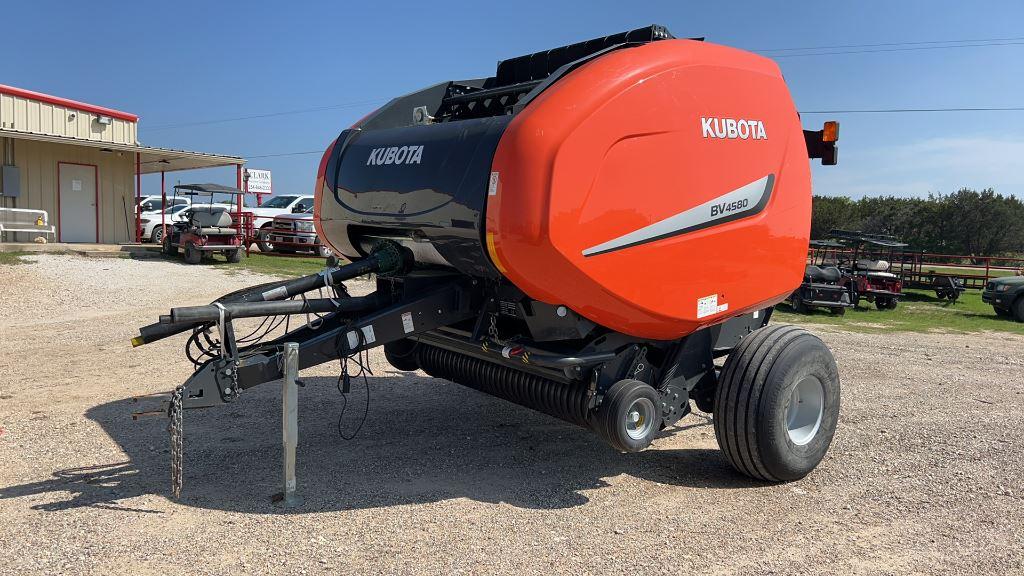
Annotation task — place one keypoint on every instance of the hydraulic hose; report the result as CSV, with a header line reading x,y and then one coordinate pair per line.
x,y
387,258
211,312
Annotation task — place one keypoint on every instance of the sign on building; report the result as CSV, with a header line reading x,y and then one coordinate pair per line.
x,y
258,181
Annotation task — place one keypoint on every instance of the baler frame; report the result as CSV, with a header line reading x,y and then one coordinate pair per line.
x,y
448,312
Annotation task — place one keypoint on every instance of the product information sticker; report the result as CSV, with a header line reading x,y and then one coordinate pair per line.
x,y
492,186
709,305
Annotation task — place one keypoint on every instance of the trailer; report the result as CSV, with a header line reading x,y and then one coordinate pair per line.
x,y
578,233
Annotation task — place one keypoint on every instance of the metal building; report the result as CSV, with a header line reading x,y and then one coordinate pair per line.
x,y
82,164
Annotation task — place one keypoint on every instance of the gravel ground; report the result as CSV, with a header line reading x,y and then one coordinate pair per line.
x,y
924,475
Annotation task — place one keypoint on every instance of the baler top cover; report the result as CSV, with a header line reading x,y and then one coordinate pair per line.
x,y
653,185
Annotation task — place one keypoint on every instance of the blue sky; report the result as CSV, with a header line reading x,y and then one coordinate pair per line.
x,y
188,61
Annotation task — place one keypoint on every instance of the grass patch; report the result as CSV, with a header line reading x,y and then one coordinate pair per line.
x,y
12,258
918,311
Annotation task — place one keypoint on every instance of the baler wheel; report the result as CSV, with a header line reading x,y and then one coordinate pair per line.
x,y
629,417
777,403
192,254
235,256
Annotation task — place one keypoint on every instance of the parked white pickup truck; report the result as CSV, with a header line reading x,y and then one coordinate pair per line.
x,y
264,215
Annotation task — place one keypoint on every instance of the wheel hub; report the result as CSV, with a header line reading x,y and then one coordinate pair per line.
x,y
804,410
640,418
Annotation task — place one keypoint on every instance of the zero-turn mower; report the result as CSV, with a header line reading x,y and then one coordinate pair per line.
x,y
824,284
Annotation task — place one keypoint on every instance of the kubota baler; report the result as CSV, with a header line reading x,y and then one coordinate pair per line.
x,y
588,233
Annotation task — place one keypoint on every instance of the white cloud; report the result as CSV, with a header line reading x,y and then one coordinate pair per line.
x,y
931,165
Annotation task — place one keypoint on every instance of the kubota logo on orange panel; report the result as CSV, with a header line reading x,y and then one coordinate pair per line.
x,y
731,128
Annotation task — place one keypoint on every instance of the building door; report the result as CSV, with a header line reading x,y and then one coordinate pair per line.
x,y
76,190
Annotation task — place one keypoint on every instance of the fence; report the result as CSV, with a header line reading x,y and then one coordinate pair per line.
x,y
923,269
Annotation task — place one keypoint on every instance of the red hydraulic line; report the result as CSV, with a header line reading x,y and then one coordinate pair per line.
x,y
241,199
163,204
138,197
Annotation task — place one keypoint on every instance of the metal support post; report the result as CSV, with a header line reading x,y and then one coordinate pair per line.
x,y
290,425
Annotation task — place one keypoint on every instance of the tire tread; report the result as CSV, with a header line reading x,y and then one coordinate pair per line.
x,y
738,396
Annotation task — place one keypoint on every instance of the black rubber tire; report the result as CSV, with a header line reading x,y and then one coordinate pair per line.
x,y
167,248
235,256
799,307
753,390
886,303
192,254
262,241
610,418
402,355
838,311
1018,309
157,237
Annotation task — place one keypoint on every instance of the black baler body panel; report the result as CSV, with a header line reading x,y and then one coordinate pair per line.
x,y
426,185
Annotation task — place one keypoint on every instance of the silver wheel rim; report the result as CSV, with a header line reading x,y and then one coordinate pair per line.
x,y
804,410
640,418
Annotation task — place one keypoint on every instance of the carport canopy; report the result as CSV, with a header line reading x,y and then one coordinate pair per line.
x,y
151,160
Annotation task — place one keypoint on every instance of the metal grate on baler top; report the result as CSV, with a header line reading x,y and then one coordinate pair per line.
x,y
517,77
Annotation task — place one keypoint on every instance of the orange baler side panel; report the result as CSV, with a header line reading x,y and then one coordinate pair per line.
x,y
620,149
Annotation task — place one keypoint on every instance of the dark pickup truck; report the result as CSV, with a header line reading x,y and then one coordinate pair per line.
x,y
1006,295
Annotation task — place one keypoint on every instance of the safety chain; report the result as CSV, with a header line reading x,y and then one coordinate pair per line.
x,y
492,331
234,377
174,428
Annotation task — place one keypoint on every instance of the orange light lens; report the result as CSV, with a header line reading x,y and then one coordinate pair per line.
x,y
831,131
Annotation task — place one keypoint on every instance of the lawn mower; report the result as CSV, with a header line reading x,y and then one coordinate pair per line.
x,y
577,234
870,258
209,228
824,285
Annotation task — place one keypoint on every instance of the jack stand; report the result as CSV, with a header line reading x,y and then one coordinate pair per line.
x,y
289,426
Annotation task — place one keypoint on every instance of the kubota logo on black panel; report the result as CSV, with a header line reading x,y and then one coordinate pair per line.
x,y
395,155
732,128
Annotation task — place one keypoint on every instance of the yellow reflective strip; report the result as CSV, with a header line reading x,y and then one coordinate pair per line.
x,y
493,251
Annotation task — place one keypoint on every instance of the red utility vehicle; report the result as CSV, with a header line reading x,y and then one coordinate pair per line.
x,y
868,264
209,227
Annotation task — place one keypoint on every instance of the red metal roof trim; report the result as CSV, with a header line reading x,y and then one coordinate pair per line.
x,y
100,110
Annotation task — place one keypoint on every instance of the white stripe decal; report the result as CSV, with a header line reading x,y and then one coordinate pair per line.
x,y
745,200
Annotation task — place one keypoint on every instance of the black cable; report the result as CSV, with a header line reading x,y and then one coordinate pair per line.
x,y
912,110
268,114
362,360
809,51
879,50
840,46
